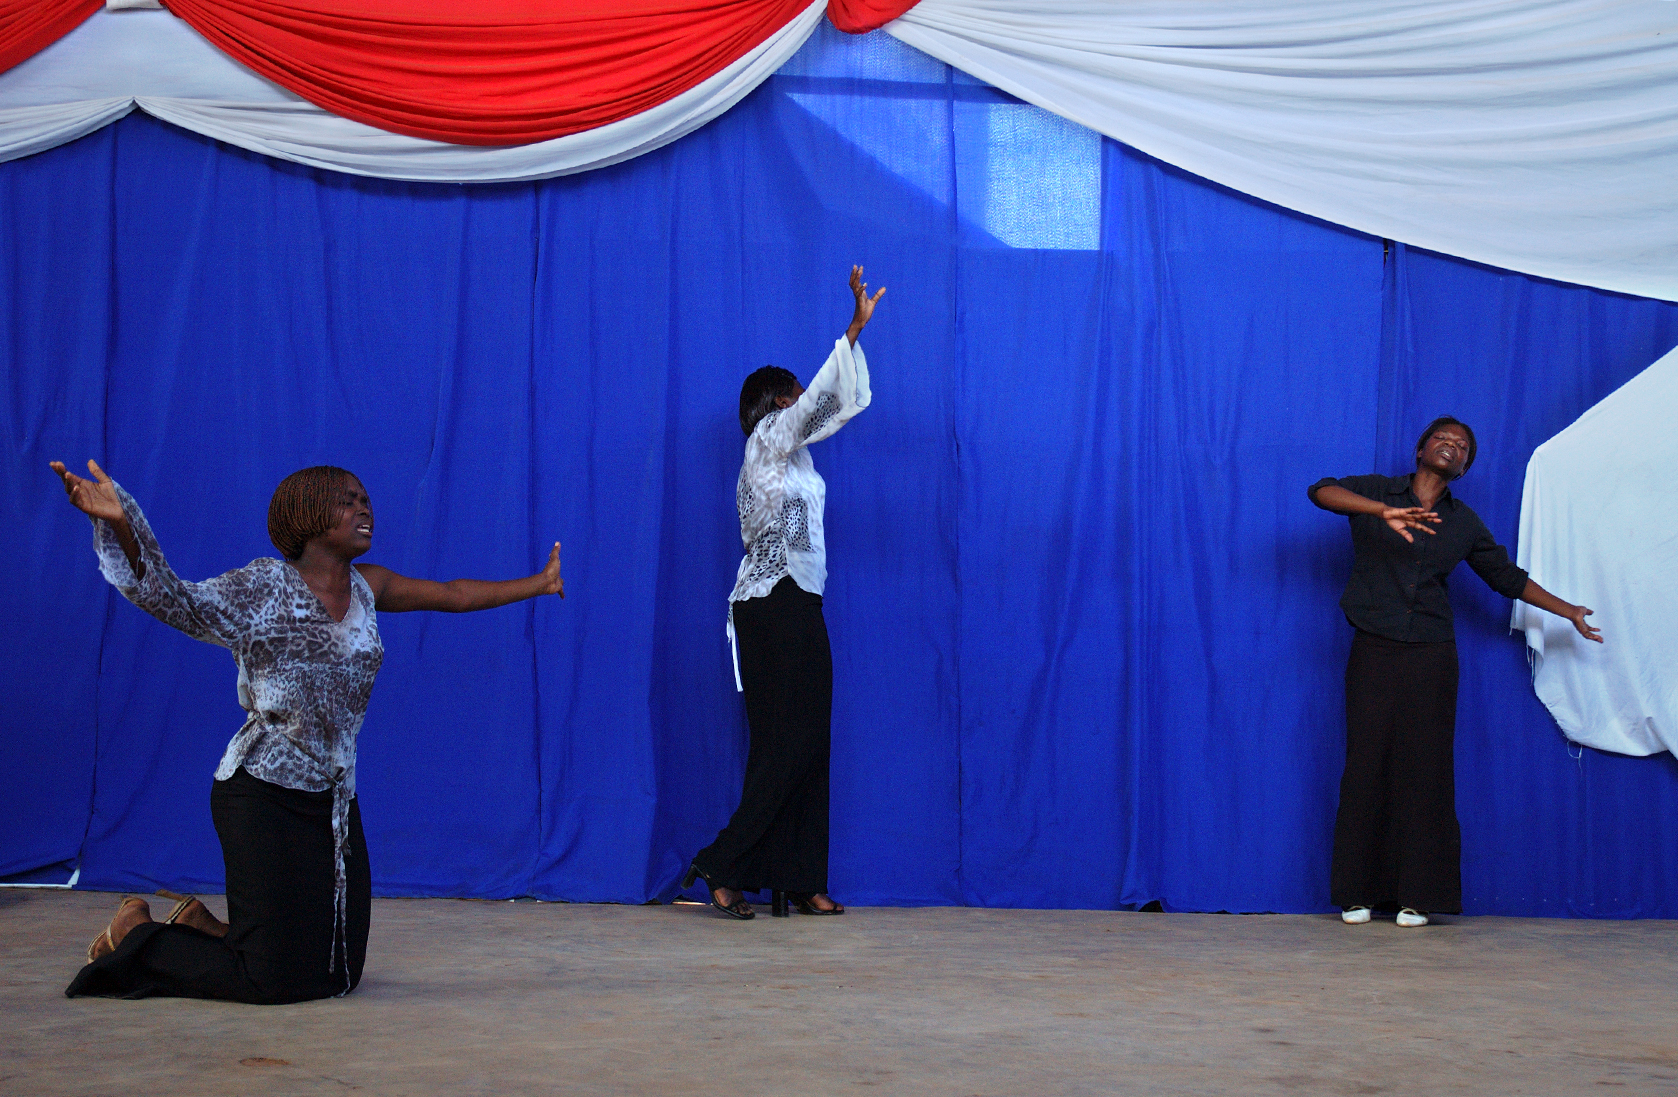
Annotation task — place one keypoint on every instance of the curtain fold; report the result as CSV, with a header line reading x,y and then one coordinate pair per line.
x,y
493,72
24,131
202,90
862,16
29,26
1535,135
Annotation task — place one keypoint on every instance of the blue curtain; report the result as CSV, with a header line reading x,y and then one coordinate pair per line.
x,y
1087,647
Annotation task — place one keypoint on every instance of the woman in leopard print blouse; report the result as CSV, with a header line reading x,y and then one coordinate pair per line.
x,y
304,633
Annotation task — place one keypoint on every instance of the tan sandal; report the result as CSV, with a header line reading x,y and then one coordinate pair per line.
x,y
181,903
191,912
94,952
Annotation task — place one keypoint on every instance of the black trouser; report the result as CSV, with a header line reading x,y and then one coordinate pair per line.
x,y
778,835
276,845
1396,838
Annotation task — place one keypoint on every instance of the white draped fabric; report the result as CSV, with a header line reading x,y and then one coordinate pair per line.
x,y
1536,135
150,59
1599,526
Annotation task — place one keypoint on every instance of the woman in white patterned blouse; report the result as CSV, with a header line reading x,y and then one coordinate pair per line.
x,y
777,837
304,633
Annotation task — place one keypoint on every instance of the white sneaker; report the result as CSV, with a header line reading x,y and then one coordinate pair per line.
x,y
1355,916
1408,917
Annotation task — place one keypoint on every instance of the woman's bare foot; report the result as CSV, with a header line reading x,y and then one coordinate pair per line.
x,y
133,911
815,903
196,915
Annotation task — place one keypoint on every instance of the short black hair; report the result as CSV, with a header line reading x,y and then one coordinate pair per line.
x,y
301,507
1450,421
757,394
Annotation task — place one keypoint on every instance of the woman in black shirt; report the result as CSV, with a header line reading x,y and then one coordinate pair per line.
x,y
1395,837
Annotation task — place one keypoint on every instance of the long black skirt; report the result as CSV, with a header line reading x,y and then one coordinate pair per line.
x,y
276,844
777,837
1396,839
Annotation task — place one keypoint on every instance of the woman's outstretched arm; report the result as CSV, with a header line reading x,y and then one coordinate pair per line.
x,y
97,498
1333,497
1535,595
218,610
393,593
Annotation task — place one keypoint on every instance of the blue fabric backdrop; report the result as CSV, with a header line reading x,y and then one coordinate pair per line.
x,y
1086,639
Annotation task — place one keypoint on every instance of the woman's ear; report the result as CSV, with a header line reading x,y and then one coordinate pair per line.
x,y
785,402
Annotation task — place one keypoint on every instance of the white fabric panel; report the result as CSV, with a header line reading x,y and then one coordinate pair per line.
x,y
1599,527
1537,135
170,71
25,131
128,54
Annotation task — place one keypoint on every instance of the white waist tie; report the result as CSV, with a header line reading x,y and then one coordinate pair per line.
x,y
734,649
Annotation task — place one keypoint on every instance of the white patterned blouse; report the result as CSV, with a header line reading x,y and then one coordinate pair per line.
x,y
304,678
780,496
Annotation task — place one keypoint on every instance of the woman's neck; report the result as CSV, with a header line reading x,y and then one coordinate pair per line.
x,y
1428,487
322,570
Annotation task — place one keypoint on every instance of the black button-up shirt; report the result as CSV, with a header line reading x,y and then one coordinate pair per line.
x,y
1397,588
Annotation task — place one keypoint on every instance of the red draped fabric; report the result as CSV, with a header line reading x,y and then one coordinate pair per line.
x,y
862,16
29,26
486,72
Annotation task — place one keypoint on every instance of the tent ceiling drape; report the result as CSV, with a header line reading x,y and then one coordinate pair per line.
x,y
1536,135
29,26
493,72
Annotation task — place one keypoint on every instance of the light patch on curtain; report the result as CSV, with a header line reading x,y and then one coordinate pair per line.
x,y
1039,182
1023,177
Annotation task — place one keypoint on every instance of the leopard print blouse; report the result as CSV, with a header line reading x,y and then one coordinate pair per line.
x,y
304,678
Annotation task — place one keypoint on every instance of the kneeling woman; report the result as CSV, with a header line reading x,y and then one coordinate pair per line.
x,y
304,633
1396,839
777,838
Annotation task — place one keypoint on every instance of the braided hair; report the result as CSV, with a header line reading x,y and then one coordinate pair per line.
x,y
757,395
301,508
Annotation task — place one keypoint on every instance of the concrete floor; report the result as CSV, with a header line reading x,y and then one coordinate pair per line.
x,y
516,998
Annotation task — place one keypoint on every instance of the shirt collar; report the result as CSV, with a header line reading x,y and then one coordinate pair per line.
x,y
1400,485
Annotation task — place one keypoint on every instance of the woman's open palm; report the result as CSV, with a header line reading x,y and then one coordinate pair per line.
x,y
550,574
864,303
96,498
1404,519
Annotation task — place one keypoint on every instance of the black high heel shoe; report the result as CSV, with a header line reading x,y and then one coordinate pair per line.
x,y
738,909
803,902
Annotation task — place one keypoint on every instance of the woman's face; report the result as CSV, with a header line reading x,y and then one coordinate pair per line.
x,y
351,532
1445,452
784,402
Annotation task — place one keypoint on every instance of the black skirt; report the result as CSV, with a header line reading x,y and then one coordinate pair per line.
x,y
1396,839
777,837
282,943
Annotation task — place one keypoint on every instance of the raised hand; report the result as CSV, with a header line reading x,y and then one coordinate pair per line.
x,y
1577,616
96,498
864,304
1405,519
550,574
